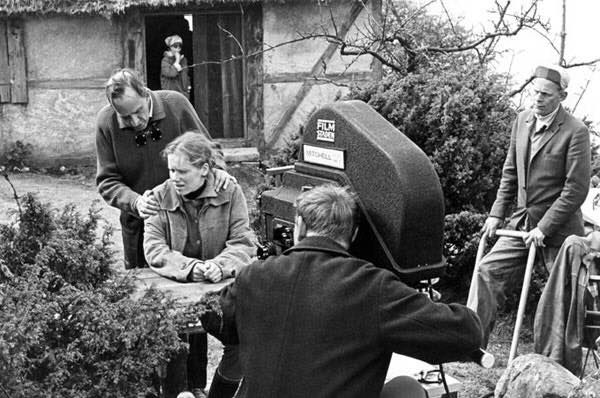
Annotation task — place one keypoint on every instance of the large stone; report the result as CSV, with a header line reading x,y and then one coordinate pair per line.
x,y
535,376
589,387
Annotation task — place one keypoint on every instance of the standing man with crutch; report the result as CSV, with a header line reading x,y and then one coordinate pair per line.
x,y
547,171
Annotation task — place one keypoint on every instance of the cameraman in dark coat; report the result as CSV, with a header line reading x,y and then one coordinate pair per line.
x,y
317,322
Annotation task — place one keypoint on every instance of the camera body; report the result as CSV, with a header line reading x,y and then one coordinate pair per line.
x,y
399,194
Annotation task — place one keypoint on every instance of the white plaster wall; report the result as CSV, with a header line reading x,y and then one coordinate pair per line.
x,y
277,98
59,121
63,47
60,124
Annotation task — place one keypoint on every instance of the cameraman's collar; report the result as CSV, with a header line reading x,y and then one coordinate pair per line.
x,y
320,243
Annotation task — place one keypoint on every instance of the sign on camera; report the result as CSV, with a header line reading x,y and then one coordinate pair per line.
x,y
325,130
324,156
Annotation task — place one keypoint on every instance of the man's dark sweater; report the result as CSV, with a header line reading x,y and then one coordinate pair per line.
x,y
125,170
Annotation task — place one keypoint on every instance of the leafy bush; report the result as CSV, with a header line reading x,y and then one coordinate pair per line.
x,y
17,155
461,239
286,154
68,327
458,115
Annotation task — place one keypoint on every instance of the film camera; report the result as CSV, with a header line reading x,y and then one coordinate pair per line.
x,y
400,197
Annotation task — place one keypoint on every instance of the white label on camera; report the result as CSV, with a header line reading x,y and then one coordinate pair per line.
x,y
324,156
325,130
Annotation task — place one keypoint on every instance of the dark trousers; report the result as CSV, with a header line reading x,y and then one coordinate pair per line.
x,y
501,271
188,370
132,230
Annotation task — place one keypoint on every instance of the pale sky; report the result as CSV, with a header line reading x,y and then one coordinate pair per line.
x,y
529,49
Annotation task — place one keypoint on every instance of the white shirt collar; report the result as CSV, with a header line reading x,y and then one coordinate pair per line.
x,y
151,106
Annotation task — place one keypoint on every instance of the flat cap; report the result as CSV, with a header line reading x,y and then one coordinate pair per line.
x,y
555,74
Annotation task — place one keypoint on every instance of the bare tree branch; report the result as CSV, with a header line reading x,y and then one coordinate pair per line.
x,y
545,36
452,27
563,34
520,88
232,37
393,43
492,43
587,83
14,192
528,19
582,63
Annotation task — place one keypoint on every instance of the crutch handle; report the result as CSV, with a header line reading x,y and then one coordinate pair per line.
x,y
483,358
511,233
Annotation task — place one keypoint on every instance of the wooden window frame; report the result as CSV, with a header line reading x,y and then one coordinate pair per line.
x,y
13,65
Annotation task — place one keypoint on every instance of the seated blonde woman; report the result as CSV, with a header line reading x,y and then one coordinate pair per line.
x,y
199,234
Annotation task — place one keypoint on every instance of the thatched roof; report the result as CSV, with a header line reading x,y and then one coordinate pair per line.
x,y
104,7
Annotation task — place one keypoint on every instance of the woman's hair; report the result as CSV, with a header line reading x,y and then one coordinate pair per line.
x,y
194,145
120,80
329,210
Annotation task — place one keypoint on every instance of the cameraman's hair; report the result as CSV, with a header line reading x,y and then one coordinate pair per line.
x,y
329,210
194,145
120,80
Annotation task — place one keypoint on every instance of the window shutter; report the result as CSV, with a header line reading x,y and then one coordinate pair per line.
x,y
4,67
16,60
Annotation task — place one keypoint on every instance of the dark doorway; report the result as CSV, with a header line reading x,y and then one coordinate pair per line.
x,y
218,42
158,28
213,42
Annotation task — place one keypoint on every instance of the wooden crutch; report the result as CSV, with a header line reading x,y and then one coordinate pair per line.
x,y
524,289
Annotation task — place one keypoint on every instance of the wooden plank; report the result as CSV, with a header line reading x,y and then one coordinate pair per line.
x,y
133,31
200,71
231,76
236,81
183,293
316,70
226,74
18,66
324,79
66,84
4,65
254,84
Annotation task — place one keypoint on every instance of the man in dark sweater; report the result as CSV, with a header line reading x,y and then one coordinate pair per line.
x,y
317,322
131,131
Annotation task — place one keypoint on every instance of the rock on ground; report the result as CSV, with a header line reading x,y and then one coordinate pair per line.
x,y
589,387
535,376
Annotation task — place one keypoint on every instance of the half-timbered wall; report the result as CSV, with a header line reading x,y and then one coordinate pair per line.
x,y
291,91
68,59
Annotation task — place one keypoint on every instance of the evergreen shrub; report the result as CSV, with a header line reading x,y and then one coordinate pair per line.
x,y
68,327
